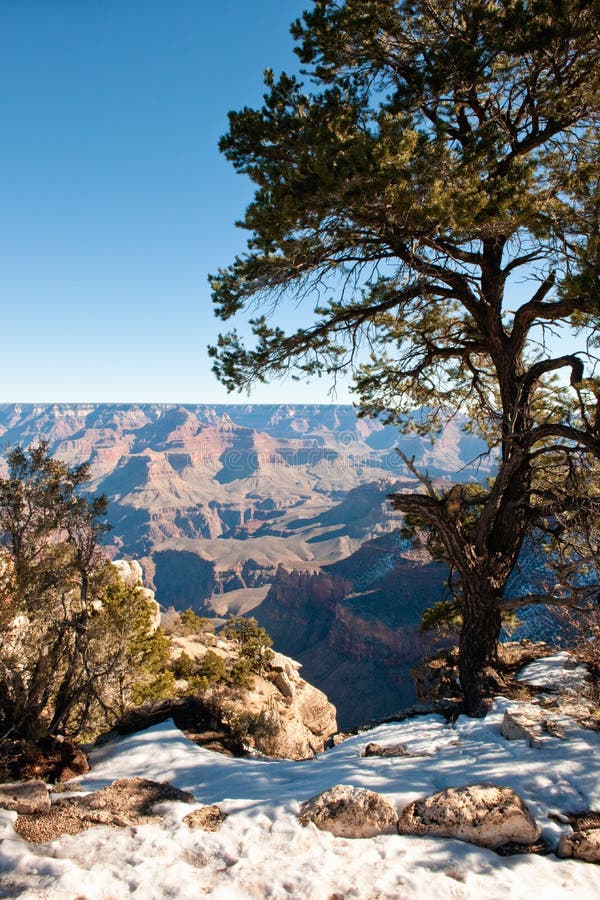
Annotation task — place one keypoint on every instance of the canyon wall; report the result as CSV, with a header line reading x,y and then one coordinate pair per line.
x,y
223,505
212,499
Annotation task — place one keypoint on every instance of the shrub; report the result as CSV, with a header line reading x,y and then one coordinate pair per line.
x,y
211,667
184,666
192,623
252,642
241,672
77,645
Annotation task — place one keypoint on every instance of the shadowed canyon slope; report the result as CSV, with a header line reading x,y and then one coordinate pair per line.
x,y
219,502
355,625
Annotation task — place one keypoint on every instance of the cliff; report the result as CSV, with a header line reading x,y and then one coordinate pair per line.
x,y
355,626
271,709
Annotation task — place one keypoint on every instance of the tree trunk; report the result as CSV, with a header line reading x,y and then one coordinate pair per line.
x,y
478,649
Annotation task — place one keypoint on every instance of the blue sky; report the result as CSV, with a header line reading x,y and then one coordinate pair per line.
x,y
115,203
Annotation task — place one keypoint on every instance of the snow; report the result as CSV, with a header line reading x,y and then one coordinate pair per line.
x,y
556,672
262,851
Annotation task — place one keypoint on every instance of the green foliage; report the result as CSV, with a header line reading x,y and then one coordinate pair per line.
x,y
241,672
405,152
76,642
444,616
193,623
212,667
160,686
253,644
184,666
134,653
212,670
438,155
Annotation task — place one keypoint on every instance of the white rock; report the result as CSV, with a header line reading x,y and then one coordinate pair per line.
x,y
525,723
350,812
25,797
482,814
532,724
289,667
130,571
584,845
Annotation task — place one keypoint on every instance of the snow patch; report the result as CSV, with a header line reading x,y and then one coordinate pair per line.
x,y
558,672
263,851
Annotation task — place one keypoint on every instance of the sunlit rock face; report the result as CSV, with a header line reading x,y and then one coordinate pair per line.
x,y
483,814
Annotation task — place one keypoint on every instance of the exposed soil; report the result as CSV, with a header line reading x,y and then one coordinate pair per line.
x,y
127,801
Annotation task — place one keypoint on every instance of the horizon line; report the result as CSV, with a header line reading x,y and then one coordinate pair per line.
x,y
164,403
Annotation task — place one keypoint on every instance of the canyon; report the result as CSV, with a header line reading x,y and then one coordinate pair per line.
x,y
281,511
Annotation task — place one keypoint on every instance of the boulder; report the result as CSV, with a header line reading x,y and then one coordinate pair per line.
x,y
311,707
584,845
289,667
530,723
206,818
392,750
284,674
350,812
295,722
482,814
25,797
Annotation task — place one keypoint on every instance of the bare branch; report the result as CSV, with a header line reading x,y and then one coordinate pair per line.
x,y
576,600
423,477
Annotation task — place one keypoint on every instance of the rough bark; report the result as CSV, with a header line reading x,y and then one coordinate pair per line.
x,y
478,650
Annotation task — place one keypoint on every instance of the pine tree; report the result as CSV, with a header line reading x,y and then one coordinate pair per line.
x,y
77,644
440,153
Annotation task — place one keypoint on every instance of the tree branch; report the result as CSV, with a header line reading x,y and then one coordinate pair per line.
x,y
578,594
535,372
583,439
423,477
